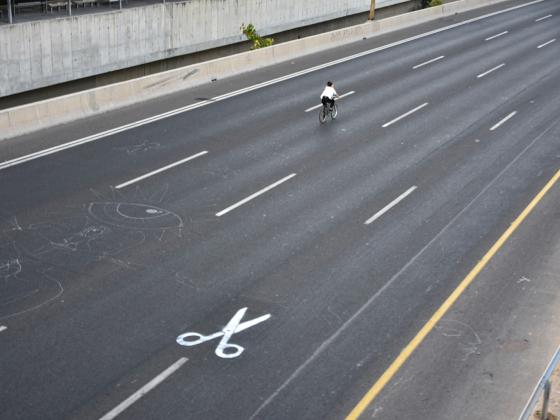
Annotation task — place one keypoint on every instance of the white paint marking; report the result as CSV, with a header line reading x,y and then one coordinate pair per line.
x,y
245,200
232,327
543,18
406,114
428,62
144,390
491,70
546,43
496,36
97,136
498,124
157,171
320,105
390,205
3,328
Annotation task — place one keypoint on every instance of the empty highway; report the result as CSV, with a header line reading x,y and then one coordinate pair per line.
x,y
401,261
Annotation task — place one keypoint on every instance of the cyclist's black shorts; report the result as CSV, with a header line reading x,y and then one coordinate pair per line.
x,y
325,100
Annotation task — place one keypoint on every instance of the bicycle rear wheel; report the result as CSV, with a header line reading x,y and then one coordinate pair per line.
x,y
323,115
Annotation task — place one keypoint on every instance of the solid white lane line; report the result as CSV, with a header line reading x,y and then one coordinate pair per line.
x,y
144,390
390,205
543,18
428,62
320,105
3,328
491,70
496,36
97,136
245,200
406,114
546,43
499,123
157,171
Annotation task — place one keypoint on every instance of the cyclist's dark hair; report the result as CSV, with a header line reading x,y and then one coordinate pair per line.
x,y
329,83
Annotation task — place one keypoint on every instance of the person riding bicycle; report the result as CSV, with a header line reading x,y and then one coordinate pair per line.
x,y
328,95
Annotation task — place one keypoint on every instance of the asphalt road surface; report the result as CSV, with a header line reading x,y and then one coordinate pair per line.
x,y
350,235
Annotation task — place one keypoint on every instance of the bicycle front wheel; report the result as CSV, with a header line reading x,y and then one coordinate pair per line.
x,y
334,112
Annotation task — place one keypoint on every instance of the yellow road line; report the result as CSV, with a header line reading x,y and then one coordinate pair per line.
x,y
368,398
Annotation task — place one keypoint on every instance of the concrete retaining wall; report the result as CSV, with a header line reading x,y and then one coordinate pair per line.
x,y
23,119
46,52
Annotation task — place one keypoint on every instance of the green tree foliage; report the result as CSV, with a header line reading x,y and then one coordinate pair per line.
x,y
431,3
251,33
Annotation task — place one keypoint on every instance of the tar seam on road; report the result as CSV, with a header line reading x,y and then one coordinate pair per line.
x,y
157,171
390,205
543,18
320,105
496,36
406,114
433,60
403,356
144,390
116,130
245,200
325,344
491,70
546,43
503,120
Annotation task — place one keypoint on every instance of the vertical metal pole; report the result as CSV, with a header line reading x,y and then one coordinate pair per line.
x,y
69,6
372,10
10,17
546,397
120,4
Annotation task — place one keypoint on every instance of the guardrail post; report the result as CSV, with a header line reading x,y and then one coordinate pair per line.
x,y
546,397
10,17
544,385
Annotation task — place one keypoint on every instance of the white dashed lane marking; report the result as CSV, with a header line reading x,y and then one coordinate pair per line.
x,y
144,390
390,205
490,71
543,18
406,114
320,105
433,60
157,171
496,36
547,43
247,199
503,120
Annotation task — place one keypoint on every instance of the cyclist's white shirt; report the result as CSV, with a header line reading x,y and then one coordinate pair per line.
x,y
329,92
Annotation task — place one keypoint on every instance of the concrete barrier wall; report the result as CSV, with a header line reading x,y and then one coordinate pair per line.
x,y
24,119
46,52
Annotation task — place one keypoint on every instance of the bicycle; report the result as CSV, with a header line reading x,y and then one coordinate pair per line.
x,y
327,110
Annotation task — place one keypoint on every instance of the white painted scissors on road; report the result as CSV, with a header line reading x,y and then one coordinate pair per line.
x,y
225,349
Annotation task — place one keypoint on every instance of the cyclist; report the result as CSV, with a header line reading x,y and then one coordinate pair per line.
x,y
328,95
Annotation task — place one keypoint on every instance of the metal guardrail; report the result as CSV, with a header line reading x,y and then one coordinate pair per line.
x,y
543,386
